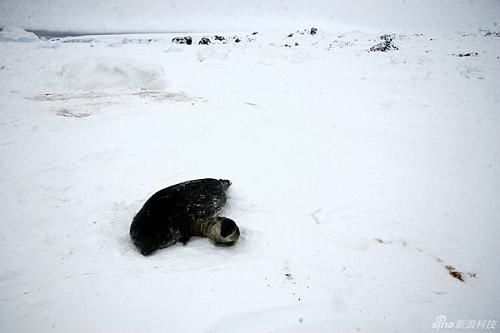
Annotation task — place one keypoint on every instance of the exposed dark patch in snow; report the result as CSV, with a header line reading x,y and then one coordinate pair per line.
x,y
183,40
468,54
204,41
385,45
492,34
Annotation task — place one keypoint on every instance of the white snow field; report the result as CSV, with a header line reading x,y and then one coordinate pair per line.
x,y
365,184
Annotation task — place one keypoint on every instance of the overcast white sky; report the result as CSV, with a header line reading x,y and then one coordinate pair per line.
x,y
227,15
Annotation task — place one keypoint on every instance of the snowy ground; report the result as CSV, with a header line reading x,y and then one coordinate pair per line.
x,y
357,178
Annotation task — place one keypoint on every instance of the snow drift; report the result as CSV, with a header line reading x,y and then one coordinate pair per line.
x,y
101,73
13,34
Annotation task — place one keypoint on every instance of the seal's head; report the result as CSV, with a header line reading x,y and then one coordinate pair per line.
x,y
226,232
221,230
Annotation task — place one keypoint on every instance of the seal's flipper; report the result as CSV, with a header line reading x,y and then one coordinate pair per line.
x,y
184,239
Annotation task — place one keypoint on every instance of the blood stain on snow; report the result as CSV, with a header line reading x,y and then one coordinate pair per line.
x,y
453,272
451,269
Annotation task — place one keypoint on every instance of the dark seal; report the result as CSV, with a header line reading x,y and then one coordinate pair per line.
x,y
178,212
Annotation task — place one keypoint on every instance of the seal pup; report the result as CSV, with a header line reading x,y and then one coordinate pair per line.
x,y
178,212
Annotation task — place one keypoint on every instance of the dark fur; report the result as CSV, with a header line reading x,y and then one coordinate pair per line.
x,y
167,217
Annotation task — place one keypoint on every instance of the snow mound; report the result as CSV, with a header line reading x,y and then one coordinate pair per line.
x,y
99,73
13,34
